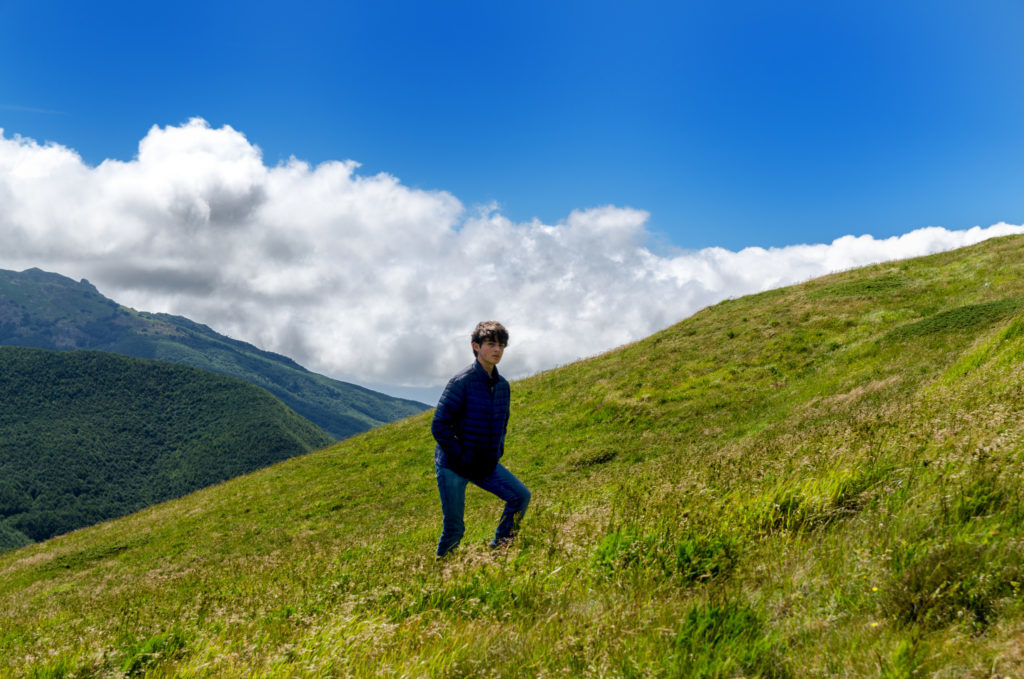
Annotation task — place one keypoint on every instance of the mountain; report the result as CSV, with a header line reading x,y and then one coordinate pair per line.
x,y
821,480
50,311
86,436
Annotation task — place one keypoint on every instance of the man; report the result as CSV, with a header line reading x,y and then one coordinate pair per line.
x,y
469,426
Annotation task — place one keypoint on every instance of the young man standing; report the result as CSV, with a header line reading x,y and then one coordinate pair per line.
x,y
469,426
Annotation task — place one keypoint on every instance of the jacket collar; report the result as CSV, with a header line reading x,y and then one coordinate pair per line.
x,y
479,370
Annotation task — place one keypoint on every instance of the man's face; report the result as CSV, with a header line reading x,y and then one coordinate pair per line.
x,y
489,353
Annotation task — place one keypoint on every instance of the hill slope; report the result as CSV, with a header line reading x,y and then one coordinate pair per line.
x,y
821,480
50,311
88,435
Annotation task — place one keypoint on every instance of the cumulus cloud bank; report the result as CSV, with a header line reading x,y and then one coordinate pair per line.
x,y
361,277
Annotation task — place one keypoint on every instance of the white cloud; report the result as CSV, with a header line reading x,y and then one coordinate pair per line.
x,y
361,277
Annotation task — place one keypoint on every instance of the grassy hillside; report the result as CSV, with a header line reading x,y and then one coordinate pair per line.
x,y
88,435
50,311
817,481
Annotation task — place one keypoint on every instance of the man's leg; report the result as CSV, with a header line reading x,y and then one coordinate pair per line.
x,y
516,496
452,488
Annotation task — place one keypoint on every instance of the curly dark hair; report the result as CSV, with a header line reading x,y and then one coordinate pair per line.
x,y
489,330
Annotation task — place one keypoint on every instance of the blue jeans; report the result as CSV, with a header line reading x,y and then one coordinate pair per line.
x,y
452,487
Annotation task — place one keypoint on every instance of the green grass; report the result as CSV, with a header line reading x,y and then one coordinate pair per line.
x,y
818,481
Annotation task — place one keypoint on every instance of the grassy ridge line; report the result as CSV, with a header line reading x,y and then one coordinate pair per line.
x,y
782,485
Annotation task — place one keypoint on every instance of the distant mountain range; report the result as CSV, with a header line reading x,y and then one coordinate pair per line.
x,y
50,311
89,435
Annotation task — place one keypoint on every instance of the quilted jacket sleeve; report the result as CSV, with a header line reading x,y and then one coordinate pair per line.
x,y
508,414
447,417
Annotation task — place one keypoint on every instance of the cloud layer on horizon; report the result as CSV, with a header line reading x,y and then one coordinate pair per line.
x,y
363,278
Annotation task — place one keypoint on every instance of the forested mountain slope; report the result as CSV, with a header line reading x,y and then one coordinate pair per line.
x,y
817,481
86,436
50,311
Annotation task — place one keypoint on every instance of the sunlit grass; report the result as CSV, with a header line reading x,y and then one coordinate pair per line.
x,y
817,481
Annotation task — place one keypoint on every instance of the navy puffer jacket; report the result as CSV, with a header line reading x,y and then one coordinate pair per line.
x,y
470,422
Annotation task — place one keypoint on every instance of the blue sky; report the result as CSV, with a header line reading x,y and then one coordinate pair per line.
x,y
733,124
594,171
